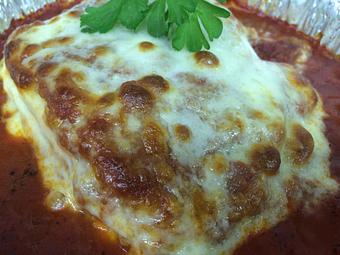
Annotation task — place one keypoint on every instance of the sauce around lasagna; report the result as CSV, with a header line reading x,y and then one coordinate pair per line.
x,y
22,193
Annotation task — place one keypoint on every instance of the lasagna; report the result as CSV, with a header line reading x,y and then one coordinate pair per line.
x,y
175,152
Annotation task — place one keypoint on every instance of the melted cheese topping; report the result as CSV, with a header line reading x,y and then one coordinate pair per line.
x,y
178,153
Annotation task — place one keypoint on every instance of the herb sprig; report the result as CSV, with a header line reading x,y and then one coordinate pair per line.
x,y
187,23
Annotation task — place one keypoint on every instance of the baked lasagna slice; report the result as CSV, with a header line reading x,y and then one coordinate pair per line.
x,y
176,152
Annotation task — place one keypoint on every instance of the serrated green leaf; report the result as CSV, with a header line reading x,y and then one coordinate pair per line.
x,y
186,22
196,40
156,20
190,35
180,9
179,37
101,19
210,9
213,26
132,13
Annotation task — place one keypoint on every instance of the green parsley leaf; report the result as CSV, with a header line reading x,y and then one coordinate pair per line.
x,y
156,20
133,12
190,35
101,19
209,15
179,10
188,23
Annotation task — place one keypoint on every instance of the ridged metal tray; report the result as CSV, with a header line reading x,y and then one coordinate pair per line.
x,y
318,18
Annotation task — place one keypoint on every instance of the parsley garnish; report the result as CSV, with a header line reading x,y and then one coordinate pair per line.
x,y
188,23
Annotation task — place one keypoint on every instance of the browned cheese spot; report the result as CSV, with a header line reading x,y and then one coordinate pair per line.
x,y
298,190
135,97
74,14
92,135
137,186
257,115
53,20
138,182
57,42
154,139
246,191
64,103
85,60
205,213
292,189
277,132
146,46
216,162
154,82
64,140
29,51
265,158
193,79
310,101
101,50
206,59
12,49
182,132
78,76
107,99
23,77
45,69
301,145
232,123
304,87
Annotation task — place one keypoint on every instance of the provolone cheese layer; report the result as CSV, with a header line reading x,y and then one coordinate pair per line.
x,y
176,152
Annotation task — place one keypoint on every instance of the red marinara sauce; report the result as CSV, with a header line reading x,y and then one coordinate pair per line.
x,y
316,232
28,227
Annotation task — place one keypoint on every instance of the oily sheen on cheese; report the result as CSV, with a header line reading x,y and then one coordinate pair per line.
x,y
176,152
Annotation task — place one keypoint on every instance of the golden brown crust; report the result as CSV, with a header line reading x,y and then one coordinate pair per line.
x,y
154,139
154,82
301,145
135,98
30,50
182,132
146,46
206,59
55,42
266,158
64,103
46,68
23,77
246,190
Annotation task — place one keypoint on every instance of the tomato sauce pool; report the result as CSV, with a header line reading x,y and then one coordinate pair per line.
x,y
28,227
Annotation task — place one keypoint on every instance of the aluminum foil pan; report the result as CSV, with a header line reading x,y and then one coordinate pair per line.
x,y
318,18
10,9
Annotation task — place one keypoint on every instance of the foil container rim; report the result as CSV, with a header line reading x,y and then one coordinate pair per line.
x,y
317,18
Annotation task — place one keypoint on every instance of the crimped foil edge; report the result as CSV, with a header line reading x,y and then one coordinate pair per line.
x,y
15,9
317,18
